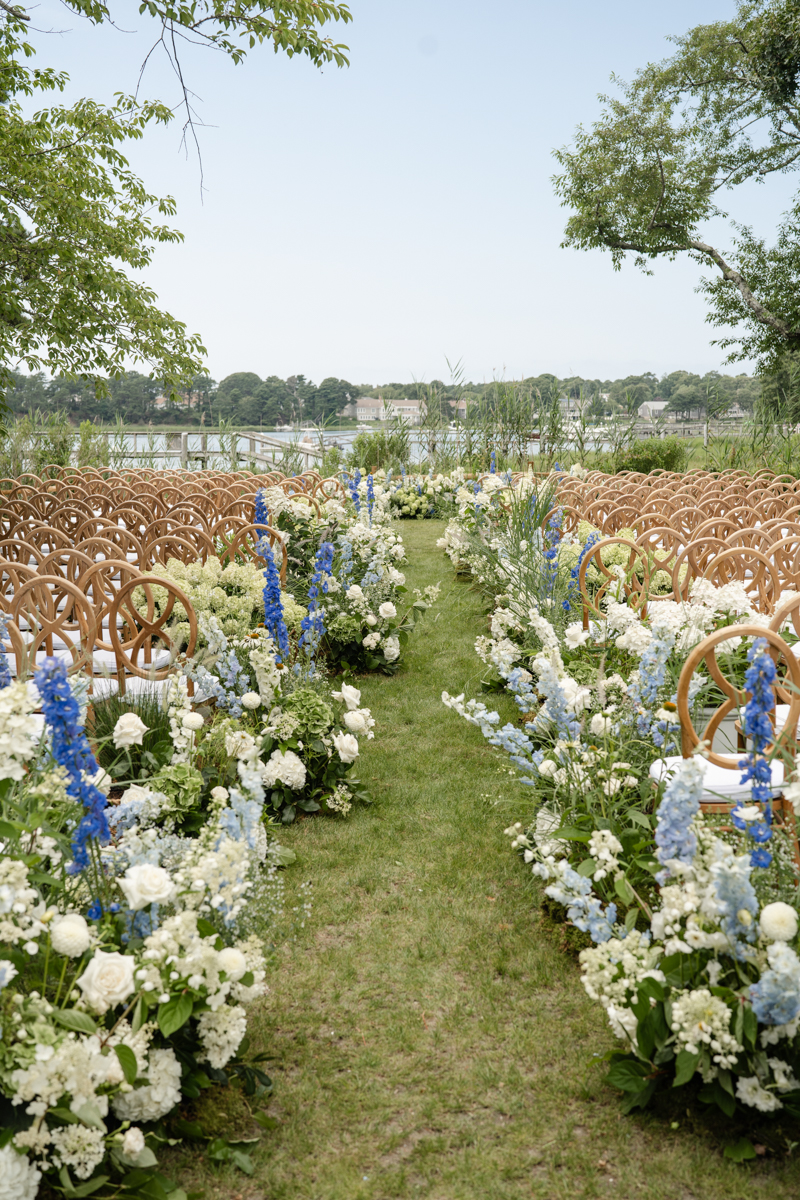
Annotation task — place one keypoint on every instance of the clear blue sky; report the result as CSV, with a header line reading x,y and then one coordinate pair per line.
x,y
369,221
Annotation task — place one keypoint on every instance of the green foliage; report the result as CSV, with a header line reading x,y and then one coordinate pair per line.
x,y
648,177
134,763
33,442
93,448
382,449
651,454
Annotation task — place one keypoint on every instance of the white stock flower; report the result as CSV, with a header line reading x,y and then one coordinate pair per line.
x,y
69,935
19,1178
220,793
133,1142
221,1033
129,731
778,921
251,700
359,721
387,611
750,1092
346,746
77,1147
145,884
108,980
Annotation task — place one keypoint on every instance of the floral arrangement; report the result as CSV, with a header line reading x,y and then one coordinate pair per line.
x,y
231,594
125,975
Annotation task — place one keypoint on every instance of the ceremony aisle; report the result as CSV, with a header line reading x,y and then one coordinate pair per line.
x,y
430,1035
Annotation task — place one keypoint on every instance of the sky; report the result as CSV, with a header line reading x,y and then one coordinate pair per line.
x,y
373,222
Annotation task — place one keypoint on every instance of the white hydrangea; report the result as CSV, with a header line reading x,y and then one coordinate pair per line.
x,y
221,1033
284,767
158,1096
19,1178
79,1147
701,1019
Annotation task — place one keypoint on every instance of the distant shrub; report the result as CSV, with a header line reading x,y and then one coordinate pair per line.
x,y
652,454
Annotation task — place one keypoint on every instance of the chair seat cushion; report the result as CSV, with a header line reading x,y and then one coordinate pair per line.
x,y
721,784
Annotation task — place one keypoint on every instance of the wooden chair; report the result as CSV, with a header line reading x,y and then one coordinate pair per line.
x,y
144,646
633,578
245,545
54,617
752,569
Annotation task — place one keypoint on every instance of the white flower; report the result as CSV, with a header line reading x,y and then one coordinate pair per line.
x,y
371,619
359,721
240,745
101,780
78,1147
350,696
19,1179
371,641
221,1033
232,962
548,768
161,1094
575,635
219,793
251,700
354,592
192,721
69,935
750,1092
133,1142
108,980
391,649
750,812
668,716
778,921
600,725
286,768
387,611
145,884
346,746
129,731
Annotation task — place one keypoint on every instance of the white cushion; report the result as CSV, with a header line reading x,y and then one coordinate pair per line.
x,y
102,686
721,784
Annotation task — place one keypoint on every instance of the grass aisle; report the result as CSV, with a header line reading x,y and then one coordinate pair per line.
x,y
430,1038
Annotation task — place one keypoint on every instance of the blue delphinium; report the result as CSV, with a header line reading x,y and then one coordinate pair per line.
x,y
345,562
492,464
591,541
737,902
313,623
759,680
273,606
71,750
585,911
652,670
552,531
674,836
776,996
352,487
262,512
370,496
6,677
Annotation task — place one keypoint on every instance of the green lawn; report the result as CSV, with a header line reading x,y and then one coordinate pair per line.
x,y
430,1037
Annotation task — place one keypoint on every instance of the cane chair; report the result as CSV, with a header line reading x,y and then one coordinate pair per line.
x,y
631,580
55,618
146,648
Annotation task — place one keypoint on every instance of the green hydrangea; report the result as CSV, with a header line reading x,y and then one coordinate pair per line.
x,y
181,783
313,714
293,612
344,629
568,555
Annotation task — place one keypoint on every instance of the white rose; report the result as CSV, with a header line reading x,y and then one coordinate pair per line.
x,y
350,696
359,721
192,721
101,780
371,641
354,592
129,731
391,649
387,611
575,635
548,768
251,700
346,746
69,935
371,619
108,980
232,962
145,884
132,1143
778,922
219,793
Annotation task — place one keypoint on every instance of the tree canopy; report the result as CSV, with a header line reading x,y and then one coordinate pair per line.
x,y
75,220
652,174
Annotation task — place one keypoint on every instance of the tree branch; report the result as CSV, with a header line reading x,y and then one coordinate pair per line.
x,y
15,12
761,314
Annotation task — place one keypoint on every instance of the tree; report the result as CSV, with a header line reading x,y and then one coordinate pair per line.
x,y
652,173
74,219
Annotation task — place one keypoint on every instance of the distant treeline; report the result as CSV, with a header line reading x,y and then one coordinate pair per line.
x,y
246,399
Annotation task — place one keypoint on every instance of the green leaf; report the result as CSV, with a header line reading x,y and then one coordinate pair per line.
x,y
89,1113
685,1067
750,1026
265,1120
205,928
628,1075
127,1060
241,1160
91,1185
740,1151
190,1129
630,919
174,1014
623,890
587,867
713,1093
70,1018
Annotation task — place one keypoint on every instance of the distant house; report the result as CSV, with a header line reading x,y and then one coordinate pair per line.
x,y
653,409
408,410
368,409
